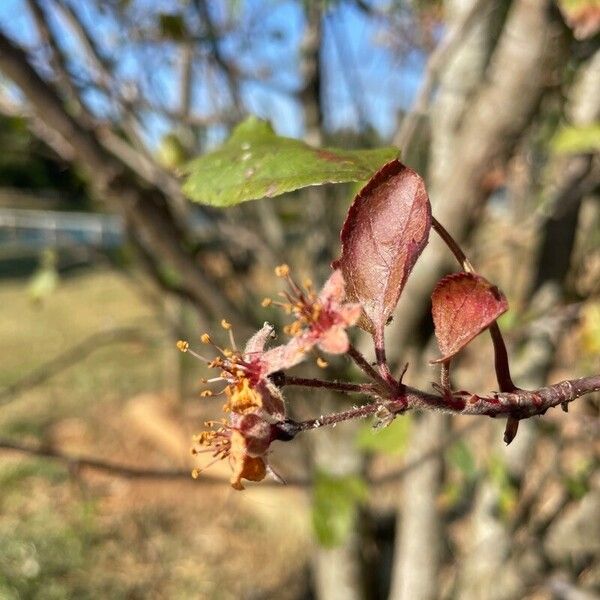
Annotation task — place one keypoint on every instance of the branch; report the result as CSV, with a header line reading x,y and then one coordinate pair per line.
x,y
147,210
520,404
337,386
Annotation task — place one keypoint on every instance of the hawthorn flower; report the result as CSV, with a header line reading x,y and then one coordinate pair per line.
x,y
254,406
321,320
244,440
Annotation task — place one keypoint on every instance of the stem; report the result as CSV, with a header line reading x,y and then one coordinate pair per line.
x,y
519,404
445,375
362,362
381,358
359,412
452,244
338,386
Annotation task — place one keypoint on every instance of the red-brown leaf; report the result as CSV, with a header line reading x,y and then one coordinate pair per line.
x,y
463,305
385,231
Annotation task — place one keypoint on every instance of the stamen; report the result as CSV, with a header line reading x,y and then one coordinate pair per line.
x,y
198,356
322,363
232,339
183,346
206,393
282,270
205,338
225,324
266,302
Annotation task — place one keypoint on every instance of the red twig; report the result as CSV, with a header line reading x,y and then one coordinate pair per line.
x,y
520,404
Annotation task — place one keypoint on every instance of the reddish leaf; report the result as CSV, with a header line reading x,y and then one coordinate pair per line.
x,y
385,231
463,305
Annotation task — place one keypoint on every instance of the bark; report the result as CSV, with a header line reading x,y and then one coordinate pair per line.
x,y
491,560
522,66
419,534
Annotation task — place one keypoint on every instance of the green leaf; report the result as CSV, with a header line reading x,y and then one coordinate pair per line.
x,y
335,501
392,439
576,140
256,163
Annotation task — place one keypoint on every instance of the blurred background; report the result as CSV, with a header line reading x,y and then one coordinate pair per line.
x,y
104,265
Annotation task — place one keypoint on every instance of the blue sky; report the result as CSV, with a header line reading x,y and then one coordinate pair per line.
x,y
365,82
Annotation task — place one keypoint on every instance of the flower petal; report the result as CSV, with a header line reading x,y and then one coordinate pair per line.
x,y
350,313
252,468
334,289
257,342
286,356
334,340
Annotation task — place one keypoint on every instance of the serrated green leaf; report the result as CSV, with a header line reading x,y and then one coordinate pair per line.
x,y
335,501
256,163
392,439
577,139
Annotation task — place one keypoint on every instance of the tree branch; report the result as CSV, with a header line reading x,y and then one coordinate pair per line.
x,y
147,210
520,404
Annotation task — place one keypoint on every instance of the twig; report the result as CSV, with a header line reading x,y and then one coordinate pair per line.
x,y
519,404
338,386
362,362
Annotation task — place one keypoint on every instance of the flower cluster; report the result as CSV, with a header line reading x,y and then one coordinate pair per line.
x,y
255,408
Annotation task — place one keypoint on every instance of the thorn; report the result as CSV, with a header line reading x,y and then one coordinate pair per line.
x,y
565,406
510,432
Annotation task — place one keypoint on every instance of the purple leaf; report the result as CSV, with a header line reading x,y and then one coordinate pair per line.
x,y
385,231
463,305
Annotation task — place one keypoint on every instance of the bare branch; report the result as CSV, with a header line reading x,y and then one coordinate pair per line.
x,y
520,404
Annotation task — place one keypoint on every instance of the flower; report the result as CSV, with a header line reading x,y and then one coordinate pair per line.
x,y
244,440
254,406
321,320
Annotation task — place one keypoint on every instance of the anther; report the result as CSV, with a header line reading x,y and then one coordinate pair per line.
x,y
322,363
183,346
282,270
225,324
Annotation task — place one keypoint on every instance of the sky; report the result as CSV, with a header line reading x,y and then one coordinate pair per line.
x,y
365,82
